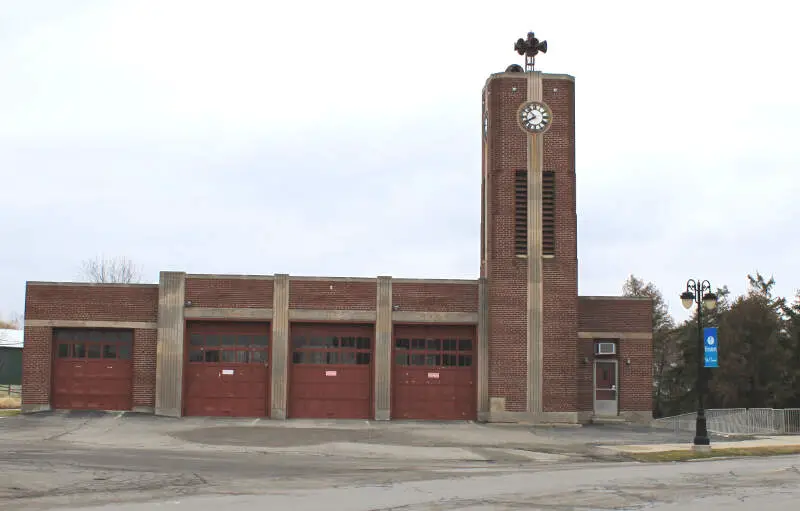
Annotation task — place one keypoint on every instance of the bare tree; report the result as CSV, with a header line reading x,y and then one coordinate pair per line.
x,y
114,270
13,323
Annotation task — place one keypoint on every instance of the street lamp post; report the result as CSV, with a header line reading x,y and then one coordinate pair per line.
x,y
699,292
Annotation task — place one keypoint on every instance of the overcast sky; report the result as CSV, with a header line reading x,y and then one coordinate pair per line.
x,y
343,138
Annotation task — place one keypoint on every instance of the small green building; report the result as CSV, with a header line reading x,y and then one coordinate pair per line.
x,y
11,357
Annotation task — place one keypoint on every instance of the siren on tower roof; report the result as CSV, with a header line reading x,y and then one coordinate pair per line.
x,y
530,47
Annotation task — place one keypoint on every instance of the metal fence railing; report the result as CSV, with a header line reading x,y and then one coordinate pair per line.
x,y
10,390
738,421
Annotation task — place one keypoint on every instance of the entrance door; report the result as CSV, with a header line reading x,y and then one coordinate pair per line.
x,y
605,388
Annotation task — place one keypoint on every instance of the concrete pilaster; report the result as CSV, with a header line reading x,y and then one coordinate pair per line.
x,y
483,350
383,350
535,283
280,346
169,351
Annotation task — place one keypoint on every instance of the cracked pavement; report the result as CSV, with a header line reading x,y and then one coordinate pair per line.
x,y
133,462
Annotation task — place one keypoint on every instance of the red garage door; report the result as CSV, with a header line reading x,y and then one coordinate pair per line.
x,y
331,374
227,369
433,374
92,369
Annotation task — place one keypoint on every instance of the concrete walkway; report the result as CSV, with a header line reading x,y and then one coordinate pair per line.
x,y
766,441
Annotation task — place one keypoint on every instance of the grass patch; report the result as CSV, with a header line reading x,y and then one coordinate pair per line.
x,y
9,402
686,455
8,413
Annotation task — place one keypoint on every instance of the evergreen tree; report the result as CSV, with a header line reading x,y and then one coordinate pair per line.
x,y
664,352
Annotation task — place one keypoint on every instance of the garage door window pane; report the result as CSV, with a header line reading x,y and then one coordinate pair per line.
x,y
195,356
363,343
465,345
465,360
401,360
434,344
63,350
110,351
449,360
94,350
259,357
212,356
256,340
243,357
347,358
212,340
126,337
124,352
418,344
402,344
79,350
417,360
450,345
228,356
433,360
298,342
348,342
363,358
196,340
309,357
229,340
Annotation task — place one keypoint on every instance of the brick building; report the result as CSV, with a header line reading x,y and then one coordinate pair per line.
x,y
516,344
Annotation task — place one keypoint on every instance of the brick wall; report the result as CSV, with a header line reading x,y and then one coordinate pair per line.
x,y
229,293
144,367
435,296
36,366
505,273
636,379
96,302
584,378
613,314
333,294
560,273
87,302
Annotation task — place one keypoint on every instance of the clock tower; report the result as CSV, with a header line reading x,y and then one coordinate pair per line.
x,y
528,242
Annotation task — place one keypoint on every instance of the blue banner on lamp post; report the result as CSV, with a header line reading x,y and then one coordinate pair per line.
x,y
710,345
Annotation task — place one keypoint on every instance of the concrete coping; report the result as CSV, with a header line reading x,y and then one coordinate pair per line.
x,y
545,76
331,279
620,298
436,281
222,276
87,284
308,278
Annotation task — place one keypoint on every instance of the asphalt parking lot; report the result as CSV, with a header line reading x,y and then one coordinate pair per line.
x,y
88,459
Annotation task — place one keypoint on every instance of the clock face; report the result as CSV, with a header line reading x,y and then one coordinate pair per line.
x,y
535,117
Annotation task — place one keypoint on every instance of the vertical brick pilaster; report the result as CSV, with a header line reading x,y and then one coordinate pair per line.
x,y
145,343
37,364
